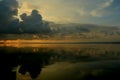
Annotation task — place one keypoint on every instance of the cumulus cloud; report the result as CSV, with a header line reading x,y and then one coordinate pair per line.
x,y
78,11
34,23
9,23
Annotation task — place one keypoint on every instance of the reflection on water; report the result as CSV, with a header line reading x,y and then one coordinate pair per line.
x,y
59,61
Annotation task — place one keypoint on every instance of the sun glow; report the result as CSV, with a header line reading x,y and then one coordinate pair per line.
x,y
32,43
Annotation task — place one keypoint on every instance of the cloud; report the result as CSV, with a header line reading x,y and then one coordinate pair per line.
x,y
100,10
9,23
25,7
107,4
8,11
34,23
80,11
61,11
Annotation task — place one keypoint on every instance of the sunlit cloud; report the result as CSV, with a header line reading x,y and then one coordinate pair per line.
x,y
78,11
25,8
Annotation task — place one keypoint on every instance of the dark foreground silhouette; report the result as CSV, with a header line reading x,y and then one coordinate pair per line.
x,y
31,63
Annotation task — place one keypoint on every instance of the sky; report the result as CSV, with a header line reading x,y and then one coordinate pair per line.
x,y
103,12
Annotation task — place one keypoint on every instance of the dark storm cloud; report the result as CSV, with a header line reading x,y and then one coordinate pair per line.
x,y
34,23
8,9
10,24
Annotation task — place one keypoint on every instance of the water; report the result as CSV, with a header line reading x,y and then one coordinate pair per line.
x,y
59,61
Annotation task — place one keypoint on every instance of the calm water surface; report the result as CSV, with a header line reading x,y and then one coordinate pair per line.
x,y
60,61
